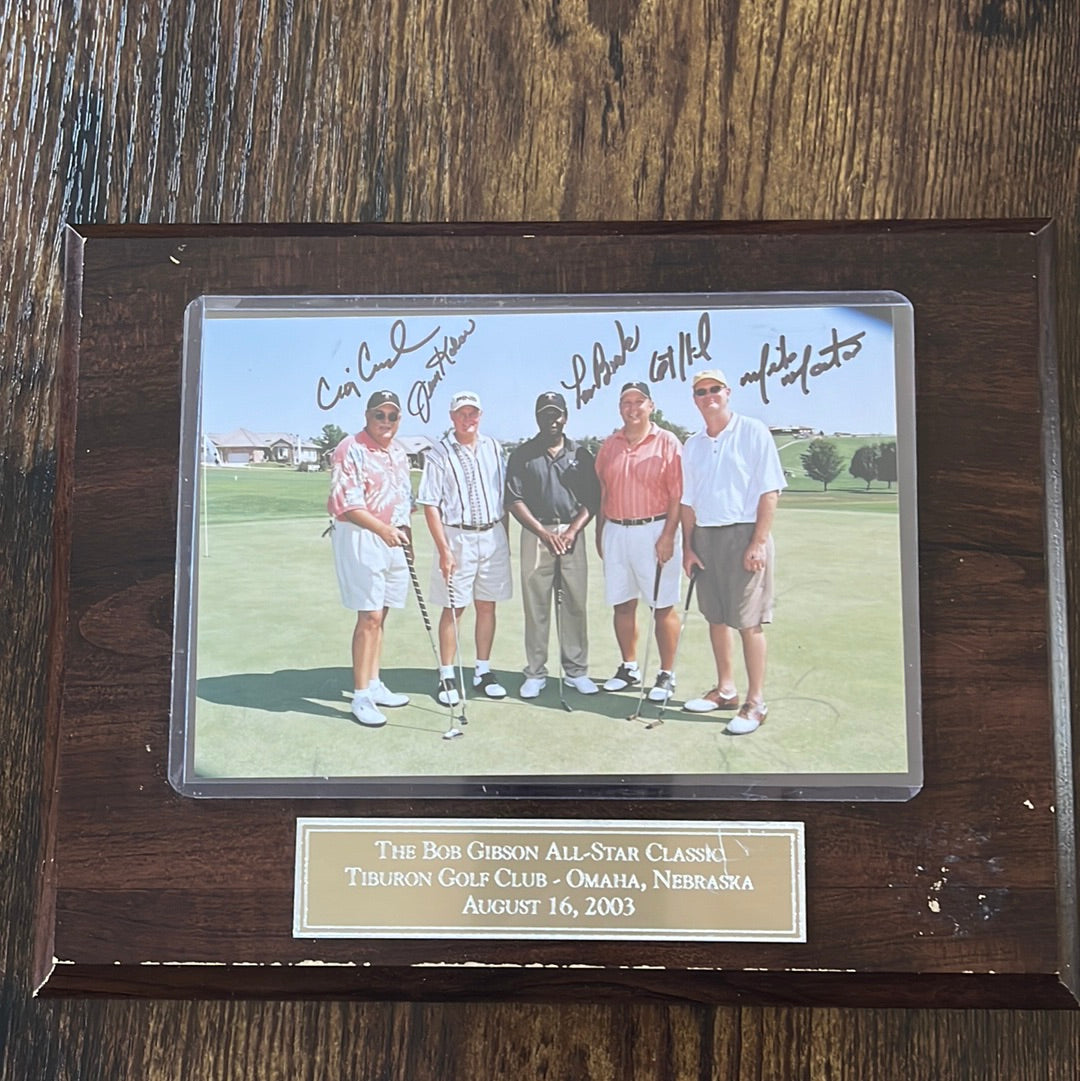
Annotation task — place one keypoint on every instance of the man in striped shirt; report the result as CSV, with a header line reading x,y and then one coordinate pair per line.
x,y
369,501
461,491
640,471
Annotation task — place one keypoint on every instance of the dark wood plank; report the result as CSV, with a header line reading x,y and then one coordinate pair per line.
x,y
271,111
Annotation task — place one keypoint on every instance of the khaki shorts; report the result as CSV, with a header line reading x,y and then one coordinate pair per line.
x,y
483,568
371,575
727,591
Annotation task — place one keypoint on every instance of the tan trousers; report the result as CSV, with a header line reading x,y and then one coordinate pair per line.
x,y
537,581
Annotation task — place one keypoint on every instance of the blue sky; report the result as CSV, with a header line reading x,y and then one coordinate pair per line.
x,y
266,370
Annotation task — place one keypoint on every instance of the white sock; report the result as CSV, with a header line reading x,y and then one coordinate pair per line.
x,y
446,671
481,667
630,666
358,693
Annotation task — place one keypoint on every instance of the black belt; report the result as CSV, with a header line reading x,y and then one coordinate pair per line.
x,y
472,528
638,521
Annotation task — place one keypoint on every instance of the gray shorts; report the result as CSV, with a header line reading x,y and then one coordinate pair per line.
x,y
727,591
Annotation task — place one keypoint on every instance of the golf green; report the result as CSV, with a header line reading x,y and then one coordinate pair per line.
x,y
273,665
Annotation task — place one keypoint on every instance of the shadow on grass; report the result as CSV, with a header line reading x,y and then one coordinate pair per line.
x,y
289,690
420,685
614,705
308,690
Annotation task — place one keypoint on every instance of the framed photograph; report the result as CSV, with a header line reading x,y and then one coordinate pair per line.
x,y
262,679
799,733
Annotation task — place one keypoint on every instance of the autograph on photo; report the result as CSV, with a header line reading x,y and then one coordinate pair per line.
x,y
669,362
419,401
837,352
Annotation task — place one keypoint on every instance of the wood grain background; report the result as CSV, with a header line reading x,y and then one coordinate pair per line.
x,y
259,110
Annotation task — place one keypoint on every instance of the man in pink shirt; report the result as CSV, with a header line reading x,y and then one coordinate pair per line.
x,y
640,471
370,498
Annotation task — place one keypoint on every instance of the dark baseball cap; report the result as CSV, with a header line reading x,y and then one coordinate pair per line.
x,y
382,397
551,399
642,388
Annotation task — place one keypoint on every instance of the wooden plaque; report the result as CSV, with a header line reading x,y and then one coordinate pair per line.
x,y
964,894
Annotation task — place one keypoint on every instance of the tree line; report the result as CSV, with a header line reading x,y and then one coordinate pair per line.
x,y
821,460
872,461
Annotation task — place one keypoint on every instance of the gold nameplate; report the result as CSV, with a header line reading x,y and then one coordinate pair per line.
x,y
549,878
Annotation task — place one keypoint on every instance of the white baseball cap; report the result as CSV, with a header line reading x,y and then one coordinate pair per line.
x,y
462,398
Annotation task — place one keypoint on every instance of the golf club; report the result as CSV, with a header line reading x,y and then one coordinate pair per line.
x,y
457,648
558,630
453,731
636,715
675,660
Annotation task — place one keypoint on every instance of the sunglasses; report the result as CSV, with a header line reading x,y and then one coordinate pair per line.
x,y
391,417
702,391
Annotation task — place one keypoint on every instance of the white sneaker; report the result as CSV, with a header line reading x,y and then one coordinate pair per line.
x,y
624,677
381,695
749,719
664,687
446,693
532,687
363,709
582,684
714,699
488,686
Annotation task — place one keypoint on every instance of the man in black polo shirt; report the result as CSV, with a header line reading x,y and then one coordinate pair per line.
x,y
552,490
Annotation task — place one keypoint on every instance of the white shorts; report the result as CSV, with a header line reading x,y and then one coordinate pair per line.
x,y
371,575
630,564
483,568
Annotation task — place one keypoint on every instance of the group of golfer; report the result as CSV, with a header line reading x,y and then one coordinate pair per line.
x,y
662,509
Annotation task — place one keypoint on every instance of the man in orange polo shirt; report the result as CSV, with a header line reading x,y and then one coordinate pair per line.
x,y
637,532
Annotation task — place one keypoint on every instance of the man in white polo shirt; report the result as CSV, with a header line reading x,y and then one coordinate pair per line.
x,y
732,480
461,491
369,500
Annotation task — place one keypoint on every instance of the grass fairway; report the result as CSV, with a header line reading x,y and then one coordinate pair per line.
x,y
273,666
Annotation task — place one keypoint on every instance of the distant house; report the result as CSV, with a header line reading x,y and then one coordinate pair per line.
x,y
416,446
292,450
794,433
245,447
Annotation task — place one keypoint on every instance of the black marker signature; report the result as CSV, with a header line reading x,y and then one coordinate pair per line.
x,y
419,403
837,352
602,368
666,365
400,347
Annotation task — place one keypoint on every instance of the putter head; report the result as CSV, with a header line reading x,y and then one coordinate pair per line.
x,y
452,733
